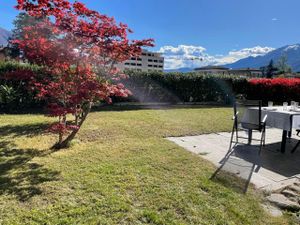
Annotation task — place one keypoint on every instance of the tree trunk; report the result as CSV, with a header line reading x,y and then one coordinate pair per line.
x,y
65,143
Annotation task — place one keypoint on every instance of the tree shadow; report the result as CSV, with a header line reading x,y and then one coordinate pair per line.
x,y
20,176
23,130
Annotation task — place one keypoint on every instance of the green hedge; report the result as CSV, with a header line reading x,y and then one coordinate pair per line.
x,y
159,87
15,94
183,87
145,86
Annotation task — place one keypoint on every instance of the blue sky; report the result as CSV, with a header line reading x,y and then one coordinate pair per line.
x,y
213,29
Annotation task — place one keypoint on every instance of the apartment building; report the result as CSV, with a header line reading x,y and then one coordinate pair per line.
x,y
147,61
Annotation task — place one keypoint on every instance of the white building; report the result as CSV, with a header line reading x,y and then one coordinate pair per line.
x,y
148,61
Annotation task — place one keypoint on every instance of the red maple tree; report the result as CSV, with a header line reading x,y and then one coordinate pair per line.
x,y
77,49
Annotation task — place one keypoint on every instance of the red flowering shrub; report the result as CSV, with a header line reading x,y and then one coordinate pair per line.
x,y
277,90
78,48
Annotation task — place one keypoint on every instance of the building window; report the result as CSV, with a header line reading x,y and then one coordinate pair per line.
x,y
155,60
161,61
150,65
155,65
139,64
160,66
139,59
133,64
126,64
150,60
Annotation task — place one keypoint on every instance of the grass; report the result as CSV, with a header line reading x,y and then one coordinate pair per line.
x,y
120,170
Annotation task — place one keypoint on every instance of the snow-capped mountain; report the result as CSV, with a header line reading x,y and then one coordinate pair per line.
x,y
292,52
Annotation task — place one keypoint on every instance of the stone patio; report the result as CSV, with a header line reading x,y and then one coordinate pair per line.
x,y
269,171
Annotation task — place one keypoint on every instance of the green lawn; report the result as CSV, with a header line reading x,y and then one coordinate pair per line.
x,y
120,170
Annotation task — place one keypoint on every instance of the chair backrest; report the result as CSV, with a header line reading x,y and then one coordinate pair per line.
x,y
248,112
296,122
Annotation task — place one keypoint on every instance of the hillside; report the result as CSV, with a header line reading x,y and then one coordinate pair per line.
x,y
4,36
291,51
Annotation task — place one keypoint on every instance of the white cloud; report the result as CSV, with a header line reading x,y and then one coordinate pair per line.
x,y
274,19
255,51
183,56
196,56
236,55
186,50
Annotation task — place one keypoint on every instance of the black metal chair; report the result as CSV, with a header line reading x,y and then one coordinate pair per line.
x,y
248,117
298,143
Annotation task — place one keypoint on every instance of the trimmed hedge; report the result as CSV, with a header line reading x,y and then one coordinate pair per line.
x,y
15,94
278,90
187,87
161,87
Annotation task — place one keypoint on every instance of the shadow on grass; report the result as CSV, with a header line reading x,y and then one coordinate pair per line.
x,y
20,176
23,130
231,181
241,172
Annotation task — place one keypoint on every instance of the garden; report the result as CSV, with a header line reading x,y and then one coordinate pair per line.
x,y
70,154
118,171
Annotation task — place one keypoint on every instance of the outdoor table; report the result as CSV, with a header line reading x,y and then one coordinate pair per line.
x,y
277,117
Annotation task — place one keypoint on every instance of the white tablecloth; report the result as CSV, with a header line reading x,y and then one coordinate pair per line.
x,y
276,117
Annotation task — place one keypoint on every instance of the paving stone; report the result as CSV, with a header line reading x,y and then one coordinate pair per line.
x,y
295,188
272,210
270,170
283,202
289,193
297,183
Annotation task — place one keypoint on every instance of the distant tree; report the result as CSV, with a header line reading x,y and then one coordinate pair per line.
x,y
263,70
270,70
283,66
21,21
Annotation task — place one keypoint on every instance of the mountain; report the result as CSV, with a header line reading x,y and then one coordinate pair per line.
x,y
292,52
4,36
